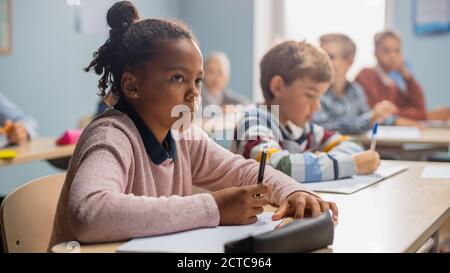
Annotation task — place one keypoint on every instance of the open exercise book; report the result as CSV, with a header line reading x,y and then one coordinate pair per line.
x,y
357,182
203,240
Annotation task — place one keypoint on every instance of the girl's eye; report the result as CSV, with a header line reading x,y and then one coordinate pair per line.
x,y
198,82
177,78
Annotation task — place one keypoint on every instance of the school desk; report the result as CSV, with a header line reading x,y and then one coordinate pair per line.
x,y
400,214
431,141
37,149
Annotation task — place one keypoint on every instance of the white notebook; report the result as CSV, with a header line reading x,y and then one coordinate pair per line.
x,y
436,172
202,240
357,182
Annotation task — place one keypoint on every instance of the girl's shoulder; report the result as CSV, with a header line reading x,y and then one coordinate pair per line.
x,y
110,128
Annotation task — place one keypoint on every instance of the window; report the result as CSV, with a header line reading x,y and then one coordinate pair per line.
x,y
359,19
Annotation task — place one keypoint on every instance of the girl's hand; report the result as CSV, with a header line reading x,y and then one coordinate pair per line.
x,y
302,204
240,205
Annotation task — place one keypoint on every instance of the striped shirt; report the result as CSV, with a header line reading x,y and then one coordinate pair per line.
x,y
309,154
348,114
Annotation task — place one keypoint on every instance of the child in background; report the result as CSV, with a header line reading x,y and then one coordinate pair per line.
x,y
294,75
380,86
217,76
16,125
131,174
344,107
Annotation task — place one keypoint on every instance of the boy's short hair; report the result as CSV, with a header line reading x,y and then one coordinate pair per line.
x,y
348,46
294,60
380,36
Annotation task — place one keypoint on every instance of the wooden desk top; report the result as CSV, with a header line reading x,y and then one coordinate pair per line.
x,y
38,149
438,136
395,215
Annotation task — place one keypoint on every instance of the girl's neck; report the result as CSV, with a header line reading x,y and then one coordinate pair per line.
x,y
159,130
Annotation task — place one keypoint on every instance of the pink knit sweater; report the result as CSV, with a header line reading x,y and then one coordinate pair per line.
x,y
113,192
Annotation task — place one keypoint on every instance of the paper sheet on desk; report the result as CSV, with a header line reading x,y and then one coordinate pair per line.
x,y
436,172
357,182
397,132
203,240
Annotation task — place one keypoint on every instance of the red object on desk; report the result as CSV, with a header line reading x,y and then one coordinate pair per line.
x,y
69,137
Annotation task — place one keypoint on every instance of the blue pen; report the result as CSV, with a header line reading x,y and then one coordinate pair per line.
x,y
373,141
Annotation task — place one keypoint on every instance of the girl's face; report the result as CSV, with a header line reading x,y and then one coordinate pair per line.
x,y
171,78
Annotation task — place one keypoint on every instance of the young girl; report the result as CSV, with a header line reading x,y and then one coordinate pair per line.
x,y
131,175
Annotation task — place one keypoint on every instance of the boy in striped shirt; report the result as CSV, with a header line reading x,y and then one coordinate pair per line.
x,y
293,77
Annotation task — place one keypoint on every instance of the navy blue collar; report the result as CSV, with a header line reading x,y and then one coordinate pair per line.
x,y
157,152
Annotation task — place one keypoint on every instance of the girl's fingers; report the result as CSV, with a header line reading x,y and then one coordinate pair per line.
x,y
300,209
257,211
260,201
315,206
281,212
324,206
334,210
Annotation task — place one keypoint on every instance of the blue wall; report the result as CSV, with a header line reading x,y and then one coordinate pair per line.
x,y
43,74
225,25
429,56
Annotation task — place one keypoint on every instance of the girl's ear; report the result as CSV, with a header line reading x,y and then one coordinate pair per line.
x,y
129,85
276,86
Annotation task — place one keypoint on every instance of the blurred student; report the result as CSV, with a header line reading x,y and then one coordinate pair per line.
x,y
392,80
16,125
217,76
344,106
294,75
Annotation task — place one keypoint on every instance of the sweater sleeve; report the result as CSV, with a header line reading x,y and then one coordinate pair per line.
x,y
366,81
303,166
216,168
100,210
413,105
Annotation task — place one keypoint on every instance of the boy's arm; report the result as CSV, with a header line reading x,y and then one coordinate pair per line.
x,y
303,167
414,101
358,123
365,79
9,111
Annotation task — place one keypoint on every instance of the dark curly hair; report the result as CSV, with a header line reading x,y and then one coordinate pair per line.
x,y
131,43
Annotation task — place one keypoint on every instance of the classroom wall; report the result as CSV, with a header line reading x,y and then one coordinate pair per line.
x,y
43,74
429,55
226,26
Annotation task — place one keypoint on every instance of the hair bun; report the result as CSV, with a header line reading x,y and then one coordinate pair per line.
x,y
121,15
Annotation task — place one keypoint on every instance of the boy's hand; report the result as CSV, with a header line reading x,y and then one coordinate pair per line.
x,y
440,113
16,133
239,205
407,122
302,204
366,162
383,110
